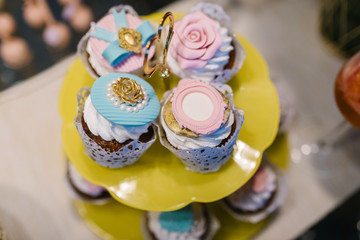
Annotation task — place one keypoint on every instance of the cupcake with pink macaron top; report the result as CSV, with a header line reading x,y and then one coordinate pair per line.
x,y
200,124
116,43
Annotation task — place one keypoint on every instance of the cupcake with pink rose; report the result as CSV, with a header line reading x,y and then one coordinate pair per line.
x,y
116,43
204,46
260,196
200,124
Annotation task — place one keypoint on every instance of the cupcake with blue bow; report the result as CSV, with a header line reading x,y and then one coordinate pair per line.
x,y
116,43
115,119
193,222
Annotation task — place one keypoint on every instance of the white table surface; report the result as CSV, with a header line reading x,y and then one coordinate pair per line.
x,y
34,203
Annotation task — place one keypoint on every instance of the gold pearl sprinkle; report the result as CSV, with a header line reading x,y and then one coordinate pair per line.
x,y
128,90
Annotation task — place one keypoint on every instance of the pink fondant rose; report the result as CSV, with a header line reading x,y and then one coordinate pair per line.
x,y
195,41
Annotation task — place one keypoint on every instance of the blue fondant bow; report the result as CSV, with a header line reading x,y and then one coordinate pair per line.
x,y
114,54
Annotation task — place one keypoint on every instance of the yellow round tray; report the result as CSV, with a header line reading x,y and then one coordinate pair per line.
x,y
117,221
158,181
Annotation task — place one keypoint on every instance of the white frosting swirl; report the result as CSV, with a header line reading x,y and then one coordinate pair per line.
x,y
99,126
99,68
213,67
210,140
252,201
197,229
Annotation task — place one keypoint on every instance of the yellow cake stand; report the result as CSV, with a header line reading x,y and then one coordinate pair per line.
x,y
117,221
158,181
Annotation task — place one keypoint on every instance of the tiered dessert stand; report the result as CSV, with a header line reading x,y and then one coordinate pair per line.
x,y
158,181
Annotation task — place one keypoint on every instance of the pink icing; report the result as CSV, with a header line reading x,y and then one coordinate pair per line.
x,y
210,125
129,64
259,184
93,188
195,41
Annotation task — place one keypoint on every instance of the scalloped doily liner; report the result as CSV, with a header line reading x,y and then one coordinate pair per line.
x,y
217,13
84,55
213,228
205,159
272,207
126,155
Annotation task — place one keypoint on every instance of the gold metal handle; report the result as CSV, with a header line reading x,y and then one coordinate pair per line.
x,y
164,70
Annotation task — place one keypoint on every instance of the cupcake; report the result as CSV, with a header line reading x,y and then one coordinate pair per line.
x,y
200,124
84,190
259,197
115,119
193,222
204,46
116,43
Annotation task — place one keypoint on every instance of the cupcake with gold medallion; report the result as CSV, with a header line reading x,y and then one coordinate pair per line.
x,y
115,120
116,43
200,124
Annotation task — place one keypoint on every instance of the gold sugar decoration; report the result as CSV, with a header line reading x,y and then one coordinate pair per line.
x,y
128,90
130,40
174,126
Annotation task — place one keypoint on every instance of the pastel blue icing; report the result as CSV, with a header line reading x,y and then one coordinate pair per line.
x,y
107,109
120,19
177,221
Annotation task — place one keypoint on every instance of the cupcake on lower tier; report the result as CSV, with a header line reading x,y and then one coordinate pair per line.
x,y
193,222
204,45
115,120
116,43
261,196
200,124
84,190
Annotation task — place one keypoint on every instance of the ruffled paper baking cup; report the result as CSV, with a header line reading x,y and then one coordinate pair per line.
x,y
218,14
84,56
126,155
205,159
213,227
275,203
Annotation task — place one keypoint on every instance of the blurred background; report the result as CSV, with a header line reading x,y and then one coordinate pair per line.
x,y
305,43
